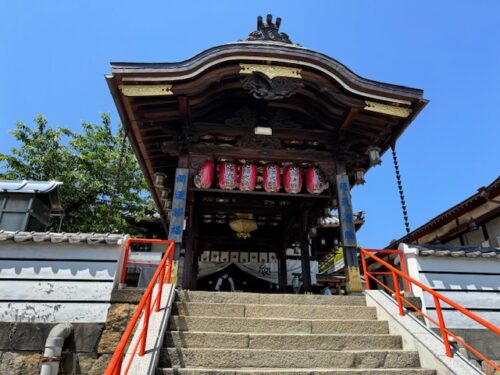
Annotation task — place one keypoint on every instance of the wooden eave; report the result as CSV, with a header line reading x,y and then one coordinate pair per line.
x,y
451,214
333,96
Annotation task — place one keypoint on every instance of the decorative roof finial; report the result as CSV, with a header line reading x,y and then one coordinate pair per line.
x,y
269,31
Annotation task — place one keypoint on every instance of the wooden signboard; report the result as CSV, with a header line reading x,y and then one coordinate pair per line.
x,y
178,205
347,228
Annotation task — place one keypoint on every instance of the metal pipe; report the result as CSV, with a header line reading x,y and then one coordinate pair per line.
x,y
53,348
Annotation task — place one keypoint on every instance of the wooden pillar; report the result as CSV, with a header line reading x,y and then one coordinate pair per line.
x,y
189,255
282,271
348,230
194,272
304,253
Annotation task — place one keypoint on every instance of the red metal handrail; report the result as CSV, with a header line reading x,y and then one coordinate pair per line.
x,y
437,297
402,261
162,275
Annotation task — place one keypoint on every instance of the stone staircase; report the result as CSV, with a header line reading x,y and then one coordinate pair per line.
x,y
245,333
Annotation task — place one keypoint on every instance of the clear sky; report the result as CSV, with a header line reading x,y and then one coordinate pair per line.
x,y
54,55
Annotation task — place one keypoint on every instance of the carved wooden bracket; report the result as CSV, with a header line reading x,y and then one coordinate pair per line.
x,y
263,87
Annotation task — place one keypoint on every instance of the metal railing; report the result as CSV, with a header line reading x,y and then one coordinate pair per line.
x,y
161,276
437,298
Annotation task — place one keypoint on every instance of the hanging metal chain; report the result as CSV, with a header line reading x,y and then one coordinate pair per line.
x,y
400,188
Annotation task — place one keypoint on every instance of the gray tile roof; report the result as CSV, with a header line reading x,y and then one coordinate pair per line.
x,y
24,186
89,238
457,251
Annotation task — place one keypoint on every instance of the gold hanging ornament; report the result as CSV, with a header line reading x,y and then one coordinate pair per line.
x,y
243,225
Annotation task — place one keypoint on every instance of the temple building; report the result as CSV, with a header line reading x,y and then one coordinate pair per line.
x,y
473,222
246,145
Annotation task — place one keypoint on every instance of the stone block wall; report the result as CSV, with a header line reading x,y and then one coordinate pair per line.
x,y
87,351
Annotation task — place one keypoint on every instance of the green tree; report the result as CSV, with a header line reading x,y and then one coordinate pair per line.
x,y
102,181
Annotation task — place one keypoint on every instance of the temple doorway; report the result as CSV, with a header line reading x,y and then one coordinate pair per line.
x,y
243,281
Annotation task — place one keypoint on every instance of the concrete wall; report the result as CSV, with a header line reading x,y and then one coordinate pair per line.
x,y
473,283
44,282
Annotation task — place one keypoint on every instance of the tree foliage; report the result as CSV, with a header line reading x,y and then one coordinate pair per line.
x,y
102,181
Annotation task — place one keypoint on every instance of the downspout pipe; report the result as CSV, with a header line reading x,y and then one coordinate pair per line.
x,y
53,348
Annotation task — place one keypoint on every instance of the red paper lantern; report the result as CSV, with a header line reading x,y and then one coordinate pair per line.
x,y
315,180
247,176
292,179
271,178
205,176
228,175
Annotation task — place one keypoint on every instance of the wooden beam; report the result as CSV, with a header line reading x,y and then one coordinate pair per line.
x,y
347,121
203,128
263,193
278,155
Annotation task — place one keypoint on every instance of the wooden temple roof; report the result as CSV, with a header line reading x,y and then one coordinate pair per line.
x,y
318,109
487,196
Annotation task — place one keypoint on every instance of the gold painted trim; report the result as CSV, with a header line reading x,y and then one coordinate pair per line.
x,y
146,90
271,71
387,109
218,61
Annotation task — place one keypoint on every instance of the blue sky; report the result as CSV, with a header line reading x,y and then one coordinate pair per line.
x,y
54,55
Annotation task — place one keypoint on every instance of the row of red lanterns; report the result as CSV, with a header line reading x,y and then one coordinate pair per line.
x,y
244,177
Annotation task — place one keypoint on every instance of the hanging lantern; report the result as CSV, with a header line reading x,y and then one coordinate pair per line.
x,y
374,156
166,203
247,176
292,179
205,175
164,193
228,175
243,225
271,178
160,179
359,176
315,180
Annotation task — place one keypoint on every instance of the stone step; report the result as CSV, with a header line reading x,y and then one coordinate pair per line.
x,y
276,342
228,358
292,371
260,298
253,325
274,311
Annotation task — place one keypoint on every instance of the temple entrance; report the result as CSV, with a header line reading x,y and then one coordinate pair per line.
x,y
243,281
247,146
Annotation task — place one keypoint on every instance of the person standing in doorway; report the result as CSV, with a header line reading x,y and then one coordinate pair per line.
x,y
327,291
225,283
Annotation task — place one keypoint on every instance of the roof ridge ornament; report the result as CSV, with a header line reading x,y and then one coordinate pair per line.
x,y
269,31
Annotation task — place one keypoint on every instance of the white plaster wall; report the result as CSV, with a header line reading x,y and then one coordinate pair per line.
x,y
473,283
57,282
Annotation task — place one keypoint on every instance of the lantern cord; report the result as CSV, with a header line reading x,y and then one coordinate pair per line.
x,y
400,188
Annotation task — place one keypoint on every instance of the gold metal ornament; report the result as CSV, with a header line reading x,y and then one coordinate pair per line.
x,y
387,109
146,90
243,225
271,71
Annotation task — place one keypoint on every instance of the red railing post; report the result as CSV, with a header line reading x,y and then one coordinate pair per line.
x,y
397,292
160,288
170,261
119,366
365,270
125,261
144,333
442,326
